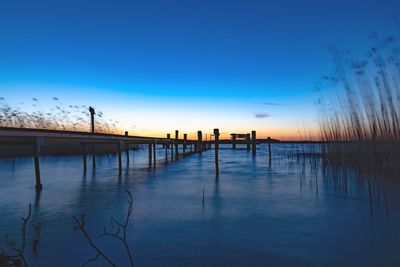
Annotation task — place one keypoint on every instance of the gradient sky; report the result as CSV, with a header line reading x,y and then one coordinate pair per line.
x,y
157,66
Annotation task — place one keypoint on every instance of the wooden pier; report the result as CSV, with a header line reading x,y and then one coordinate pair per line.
x,y
178,147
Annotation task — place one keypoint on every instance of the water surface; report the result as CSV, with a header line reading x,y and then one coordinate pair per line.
x,y
256,213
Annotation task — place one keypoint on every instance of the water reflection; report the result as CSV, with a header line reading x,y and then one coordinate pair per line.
x,y
258,210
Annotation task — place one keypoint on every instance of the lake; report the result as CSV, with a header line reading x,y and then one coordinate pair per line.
x,y
286,212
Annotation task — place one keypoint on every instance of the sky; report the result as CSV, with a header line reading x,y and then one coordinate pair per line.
x,y
157,66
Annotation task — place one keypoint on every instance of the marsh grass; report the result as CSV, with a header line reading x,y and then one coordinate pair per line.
x,y
360,123
58,117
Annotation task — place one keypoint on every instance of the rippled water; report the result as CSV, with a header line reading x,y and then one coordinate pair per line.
x,y
255,214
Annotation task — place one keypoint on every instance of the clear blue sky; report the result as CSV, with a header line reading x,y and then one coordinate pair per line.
x,y
189,65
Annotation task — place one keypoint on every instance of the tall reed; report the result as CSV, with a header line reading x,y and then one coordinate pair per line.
x,y
58,117
360,123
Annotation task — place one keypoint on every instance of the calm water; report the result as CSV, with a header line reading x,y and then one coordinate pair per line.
x,y
256,214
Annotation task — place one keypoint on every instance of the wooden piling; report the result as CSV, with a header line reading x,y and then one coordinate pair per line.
x,y
176,143
168,139
248,141
154,153
233,141
199,141
184,143
172,149
253,142
93,156
119,144
216,147
36,152
150,154
127,153
84,158
166,146
269,148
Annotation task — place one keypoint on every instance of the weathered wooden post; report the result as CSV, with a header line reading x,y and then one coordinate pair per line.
x,y
167,146
216,146
176,143
127,153
248,141
93,156
154,153
91,110
150,154
172,149
253,142
84,159
269,148
119,145
199,141
36,152
127,149
184,143
233,141
168,139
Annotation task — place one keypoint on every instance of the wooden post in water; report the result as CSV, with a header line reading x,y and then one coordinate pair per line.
x,y
233,141
91,110
172,149
36,152
184,143
167,146
84,159
127,153
94,156
176,143
150,154
216,146
248,141
119,145
253,142
168,139
154,153
269,149
199,141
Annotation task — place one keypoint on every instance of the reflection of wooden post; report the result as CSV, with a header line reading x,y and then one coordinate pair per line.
x,y
233,141
119,157
84,158
216,146
248,141
253,142
91,110
176,143
199,141
269,149
150,155
36,151
184,143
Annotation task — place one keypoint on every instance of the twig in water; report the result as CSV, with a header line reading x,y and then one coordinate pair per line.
x,y
18,259
120,232
80,226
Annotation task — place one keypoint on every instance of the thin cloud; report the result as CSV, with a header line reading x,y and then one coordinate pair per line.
x,y
261,115
271,104
266,103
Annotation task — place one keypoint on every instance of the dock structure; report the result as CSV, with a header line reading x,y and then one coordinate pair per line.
x,y
88,141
